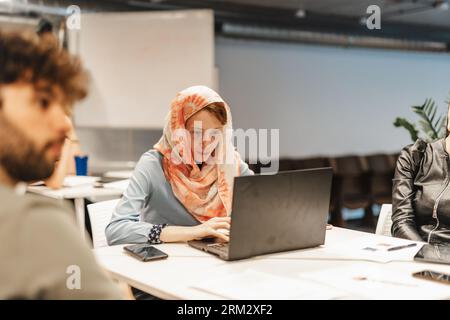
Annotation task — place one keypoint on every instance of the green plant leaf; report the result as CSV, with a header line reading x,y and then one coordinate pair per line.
x,y
443,127
427,113
402,122
432,125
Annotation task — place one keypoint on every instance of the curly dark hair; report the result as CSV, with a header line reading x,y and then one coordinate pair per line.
x,y
28,58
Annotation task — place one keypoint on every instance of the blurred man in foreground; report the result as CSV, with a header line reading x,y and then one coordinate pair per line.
x,y
42,254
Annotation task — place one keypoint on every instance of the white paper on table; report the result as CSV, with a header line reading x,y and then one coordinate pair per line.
x,y
378,282
75,181
373,248
121,184
125,174
256,285
37,183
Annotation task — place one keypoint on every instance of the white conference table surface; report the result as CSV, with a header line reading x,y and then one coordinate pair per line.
x,y
173,278
78,192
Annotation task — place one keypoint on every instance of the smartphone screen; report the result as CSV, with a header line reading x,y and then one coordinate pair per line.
x,y
145,252
433,276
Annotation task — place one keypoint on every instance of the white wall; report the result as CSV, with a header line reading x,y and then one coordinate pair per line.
x,y
159,54
328,100
324,100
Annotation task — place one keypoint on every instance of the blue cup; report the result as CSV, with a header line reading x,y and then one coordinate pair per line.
x,y
81,165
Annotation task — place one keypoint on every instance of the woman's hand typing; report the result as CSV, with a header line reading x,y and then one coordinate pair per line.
x,y
215,227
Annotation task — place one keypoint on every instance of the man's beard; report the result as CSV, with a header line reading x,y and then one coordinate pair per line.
x,y
19,157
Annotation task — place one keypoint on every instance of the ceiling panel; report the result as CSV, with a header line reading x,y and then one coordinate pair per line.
x,y
415,20
435,17
404,11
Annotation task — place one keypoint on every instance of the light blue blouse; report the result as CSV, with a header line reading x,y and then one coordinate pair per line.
x,y
149,200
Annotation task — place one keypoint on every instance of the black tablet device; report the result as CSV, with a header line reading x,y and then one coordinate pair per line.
x,y
434,253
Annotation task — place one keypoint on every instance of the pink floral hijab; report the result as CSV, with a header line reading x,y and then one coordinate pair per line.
x,y
205,192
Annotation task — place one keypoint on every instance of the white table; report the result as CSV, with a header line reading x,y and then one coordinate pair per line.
x,y
172,278
78,194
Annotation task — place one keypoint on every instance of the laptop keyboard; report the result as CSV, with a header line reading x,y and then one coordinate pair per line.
x,y
221,247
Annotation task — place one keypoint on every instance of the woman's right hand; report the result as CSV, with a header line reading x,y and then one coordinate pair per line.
x,y
218,227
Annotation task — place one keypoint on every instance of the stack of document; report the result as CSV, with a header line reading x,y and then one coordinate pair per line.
x,y
75,181
120,185
124,174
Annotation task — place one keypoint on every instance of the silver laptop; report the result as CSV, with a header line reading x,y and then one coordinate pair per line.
x,y
274,213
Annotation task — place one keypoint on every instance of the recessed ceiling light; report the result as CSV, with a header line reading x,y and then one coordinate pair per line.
x,y
300,13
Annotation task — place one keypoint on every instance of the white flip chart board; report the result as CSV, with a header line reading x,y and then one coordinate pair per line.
x,y
138,61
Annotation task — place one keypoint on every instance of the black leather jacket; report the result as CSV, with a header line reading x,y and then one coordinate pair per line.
x,y
421,193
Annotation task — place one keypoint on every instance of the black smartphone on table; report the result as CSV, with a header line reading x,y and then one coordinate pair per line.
x,y
433,276
145,252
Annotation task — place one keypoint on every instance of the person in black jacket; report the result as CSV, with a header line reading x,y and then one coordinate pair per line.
x,y
421,192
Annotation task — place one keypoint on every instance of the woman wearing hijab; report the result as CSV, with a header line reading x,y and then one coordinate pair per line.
x,y
182,189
